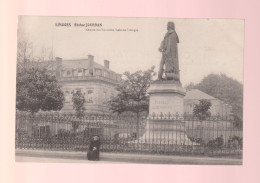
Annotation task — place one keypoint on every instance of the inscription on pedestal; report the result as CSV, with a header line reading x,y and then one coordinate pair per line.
x,y
161,104
166,103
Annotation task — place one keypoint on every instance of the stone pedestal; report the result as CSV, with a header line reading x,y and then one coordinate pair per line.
x,y
164,125
166,97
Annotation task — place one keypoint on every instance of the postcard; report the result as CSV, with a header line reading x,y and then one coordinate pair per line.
x,y
129,90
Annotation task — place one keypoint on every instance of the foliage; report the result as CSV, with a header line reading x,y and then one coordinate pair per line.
x,y
224,88
37,90
196,140
235,142
21,131
78,99
24,52
132,92
63,133
190,86
201,110
217,143
238,122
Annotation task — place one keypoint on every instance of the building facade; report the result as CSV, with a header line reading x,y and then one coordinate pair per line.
x,y
218,107
96,81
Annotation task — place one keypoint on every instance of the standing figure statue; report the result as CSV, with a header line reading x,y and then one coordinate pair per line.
x,y
169,50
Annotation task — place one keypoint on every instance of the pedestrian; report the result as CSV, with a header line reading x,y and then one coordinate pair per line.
x,y
94,148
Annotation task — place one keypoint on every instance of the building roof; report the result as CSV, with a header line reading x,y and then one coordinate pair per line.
x,y
71,70
75,64
79,64
196,94
82,63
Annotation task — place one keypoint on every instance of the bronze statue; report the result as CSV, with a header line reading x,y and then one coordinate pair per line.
x,y
169,50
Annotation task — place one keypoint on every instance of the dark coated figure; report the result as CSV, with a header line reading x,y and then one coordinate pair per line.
x,y
94,148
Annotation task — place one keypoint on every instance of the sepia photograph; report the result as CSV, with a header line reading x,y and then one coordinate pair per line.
x,y
129,90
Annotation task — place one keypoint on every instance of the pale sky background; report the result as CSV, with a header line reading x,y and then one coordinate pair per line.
x,y
206,45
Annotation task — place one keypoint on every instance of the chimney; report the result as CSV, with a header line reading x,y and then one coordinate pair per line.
x,y
106,64
58,59
58,63
91,61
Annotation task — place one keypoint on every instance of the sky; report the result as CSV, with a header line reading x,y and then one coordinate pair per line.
x,y
206,45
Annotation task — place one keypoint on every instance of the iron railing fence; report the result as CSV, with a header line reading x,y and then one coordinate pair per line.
x,y
167,134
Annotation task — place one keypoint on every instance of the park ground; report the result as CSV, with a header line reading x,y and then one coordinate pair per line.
x,y
105,158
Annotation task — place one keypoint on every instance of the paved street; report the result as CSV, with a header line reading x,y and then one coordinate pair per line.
x,y
80,157
58,160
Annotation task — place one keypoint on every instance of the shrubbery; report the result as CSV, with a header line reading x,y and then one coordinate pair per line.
x,y
217,143
235,142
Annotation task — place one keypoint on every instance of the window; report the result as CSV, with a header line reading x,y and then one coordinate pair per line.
x,y
75,72
98,72
108,75
89,98
91,72
68,73
80,72
64,73
86,72
114,76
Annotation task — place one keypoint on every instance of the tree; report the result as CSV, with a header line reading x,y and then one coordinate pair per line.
x,y
24,52
78,99
224,88
132,93
36,90
27,55
201,110
190,86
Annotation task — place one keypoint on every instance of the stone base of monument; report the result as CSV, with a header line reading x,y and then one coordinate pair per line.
x,y
166,106
166,132
166,97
